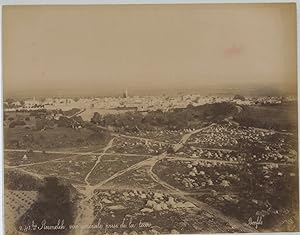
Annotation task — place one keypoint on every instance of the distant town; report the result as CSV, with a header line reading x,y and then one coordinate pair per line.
x,y
127,103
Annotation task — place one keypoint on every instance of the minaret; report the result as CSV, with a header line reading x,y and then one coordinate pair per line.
x,y
125,94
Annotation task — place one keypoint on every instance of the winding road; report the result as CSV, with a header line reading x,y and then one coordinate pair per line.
x,y
85,213
175,191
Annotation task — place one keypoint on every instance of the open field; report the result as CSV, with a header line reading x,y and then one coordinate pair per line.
x,y
18,179
279,117
135,178
72,168
25,158
111,164
49,139
137,146
168,136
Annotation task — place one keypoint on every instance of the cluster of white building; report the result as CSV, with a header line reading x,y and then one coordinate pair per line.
x,y
137,103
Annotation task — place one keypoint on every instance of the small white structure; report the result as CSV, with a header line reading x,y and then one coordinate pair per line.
x,y
25,157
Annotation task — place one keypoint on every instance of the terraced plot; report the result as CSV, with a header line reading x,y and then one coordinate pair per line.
x,y
16,204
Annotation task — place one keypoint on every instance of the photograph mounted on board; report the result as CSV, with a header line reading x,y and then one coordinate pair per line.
x,y
150,119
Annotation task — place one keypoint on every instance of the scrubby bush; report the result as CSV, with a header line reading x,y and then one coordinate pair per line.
x,y
178,119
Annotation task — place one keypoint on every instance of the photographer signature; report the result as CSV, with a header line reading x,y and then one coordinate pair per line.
x,y
257,222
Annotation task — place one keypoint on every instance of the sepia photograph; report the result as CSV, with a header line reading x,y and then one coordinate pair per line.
x,y
137,119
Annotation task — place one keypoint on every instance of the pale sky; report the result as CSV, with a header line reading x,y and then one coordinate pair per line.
x,y
103,49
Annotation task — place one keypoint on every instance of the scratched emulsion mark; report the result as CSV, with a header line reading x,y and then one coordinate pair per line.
x,y
233,51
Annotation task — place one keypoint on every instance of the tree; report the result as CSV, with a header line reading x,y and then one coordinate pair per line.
x,y
40,124
10,101
12,124
239,97
20,122
96,118
22,102
78,119
64,122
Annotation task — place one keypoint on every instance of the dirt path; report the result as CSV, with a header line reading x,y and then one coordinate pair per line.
x,y
150,161
34,163
201,160
214,149
175,191
267,130
224,161
138,165
85,214
41,176
141,138
183,140
52,152
76,114
109,145
74,155
234,223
